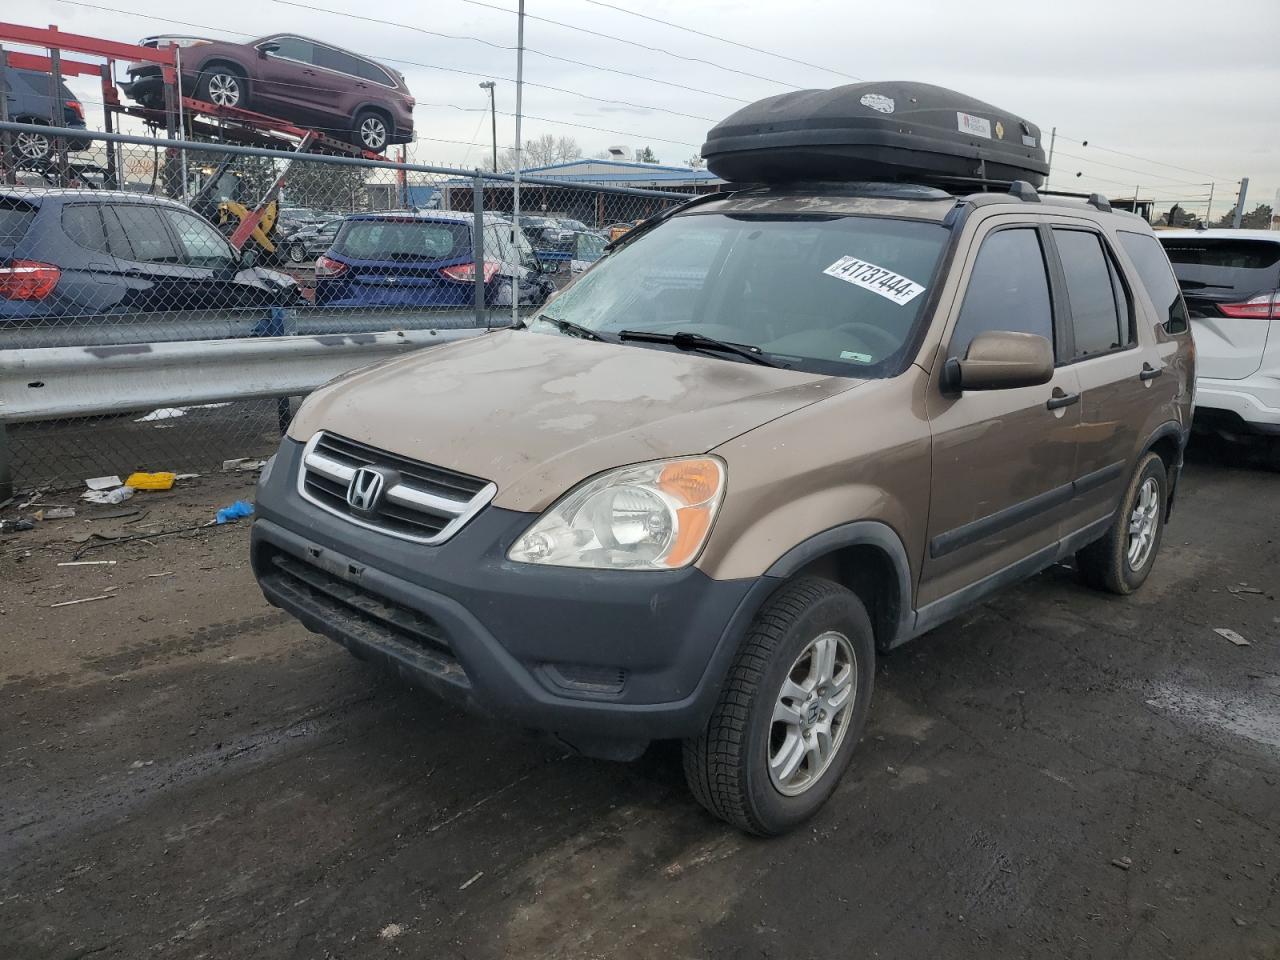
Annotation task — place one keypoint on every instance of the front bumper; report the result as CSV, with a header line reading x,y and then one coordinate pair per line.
x,y
595,656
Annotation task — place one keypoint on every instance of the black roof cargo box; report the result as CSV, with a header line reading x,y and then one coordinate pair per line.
x,y
874,131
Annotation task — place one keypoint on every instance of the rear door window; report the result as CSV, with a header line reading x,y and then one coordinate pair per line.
x,y
136,231
1157,278
1008,290
82,223
336,60
1091,290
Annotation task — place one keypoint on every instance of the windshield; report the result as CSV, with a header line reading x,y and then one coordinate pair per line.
x,y
829,294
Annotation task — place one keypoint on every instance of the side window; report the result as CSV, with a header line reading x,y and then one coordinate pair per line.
x,y
371,71
332,59
136,231
1091,292
82,223
293,48
497,244
202,245
1008,290
1157,277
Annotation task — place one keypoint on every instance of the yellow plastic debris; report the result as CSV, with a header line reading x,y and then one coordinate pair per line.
x,y
151,481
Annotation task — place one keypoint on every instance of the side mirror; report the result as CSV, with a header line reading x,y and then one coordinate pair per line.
x,y
248,258
267,48
1001,360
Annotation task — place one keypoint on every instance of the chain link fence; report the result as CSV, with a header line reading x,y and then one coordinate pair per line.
x,y
149,289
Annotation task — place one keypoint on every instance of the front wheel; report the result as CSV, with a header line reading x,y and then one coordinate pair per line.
x,y
791,711
296,252
1121,560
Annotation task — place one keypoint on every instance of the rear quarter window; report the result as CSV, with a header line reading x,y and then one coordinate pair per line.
x,y
15,218
82,223
1157,278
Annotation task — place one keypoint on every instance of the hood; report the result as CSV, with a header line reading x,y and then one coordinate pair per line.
x,y
538,413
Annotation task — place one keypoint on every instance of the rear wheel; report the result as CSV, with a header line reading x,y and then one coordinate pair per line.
x,y
371,131
33,146
1122,559
296,252
791,710
224,86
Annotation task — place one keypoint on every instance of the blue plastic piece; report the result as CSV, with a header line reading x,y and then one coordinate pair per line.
x,y
241,508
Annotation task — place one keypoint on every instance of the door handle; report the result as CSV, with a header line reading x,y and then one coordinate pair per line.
x,y
1060,399
1149,372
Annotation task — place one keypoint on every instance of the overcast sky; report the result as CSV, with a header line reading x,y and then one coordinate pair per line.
x,y
1176,82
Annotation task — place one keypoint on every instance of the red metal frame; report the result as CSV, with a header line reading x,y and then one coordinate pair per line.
x,y
110,49
29,61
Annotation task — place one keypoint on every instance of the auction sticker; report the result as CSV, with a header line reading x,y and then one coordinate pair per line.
x,y
890,285
978,126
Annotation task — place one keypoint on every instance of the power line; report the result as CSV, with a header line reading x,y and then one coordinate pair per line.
x,y
1161,163
428,66
1143,173
633,43
712,36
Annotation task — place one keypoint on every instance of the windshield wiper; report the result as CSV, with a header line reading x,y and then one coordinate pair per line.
x,y
569,328
686,340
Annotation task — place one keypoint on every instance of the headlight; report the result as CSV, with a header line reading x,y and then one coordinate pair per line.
x,y
652,516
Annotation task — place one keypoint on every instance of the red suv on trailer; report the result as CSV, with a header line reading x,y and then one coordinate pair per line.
x,y
303,81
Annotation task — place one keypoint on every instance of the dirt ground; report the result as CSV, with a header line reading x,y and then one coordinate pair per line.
x,y
185,772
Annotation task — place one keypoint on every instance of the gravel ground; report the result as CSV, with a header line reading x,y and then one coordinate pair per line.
x,y
185,772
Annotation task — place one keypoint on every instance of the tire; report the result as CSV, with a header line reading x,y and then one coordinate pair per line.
x,y
295,253
728,766
371,131
1113,563
224,86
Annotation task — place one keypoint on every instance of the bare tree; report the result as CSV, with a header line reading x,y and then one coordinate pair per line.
x,y
541,152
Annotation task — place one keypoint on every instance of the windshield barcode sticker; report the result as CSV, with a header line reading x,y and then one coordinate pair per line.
x,y
890,285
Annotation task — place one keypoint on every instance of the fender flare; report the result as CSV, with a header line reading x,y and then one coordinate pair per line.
x,y
1180,435
871,533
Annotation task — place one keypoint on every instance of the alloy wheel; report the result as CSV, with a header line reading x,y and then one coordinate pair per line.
x,y
32,146
224,90
373,133
1143,523
811,712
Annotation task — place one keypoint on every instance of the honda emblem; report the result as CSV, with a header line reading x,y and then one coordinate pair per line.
x,y
365,490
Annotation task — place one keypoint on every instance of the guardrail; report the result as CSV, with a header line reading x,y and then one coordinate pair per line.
x,y
47,383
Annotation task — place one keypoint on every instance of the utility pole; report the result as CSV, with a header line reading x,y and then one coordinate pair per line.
x,y
515,192
1244,189
493,116
1208,210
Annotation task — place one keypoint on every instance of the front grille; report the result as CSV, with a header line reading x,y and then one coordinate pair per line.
x,y
420,502
363,614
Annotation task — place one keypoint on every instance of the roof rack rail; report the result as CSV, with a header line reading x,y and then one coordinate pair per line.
x,y
1099,202
1024,191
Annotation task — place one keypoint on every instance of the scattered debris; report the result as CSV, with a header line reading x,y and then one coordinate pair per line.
x,y
56,513
186,476
87,563
391,931
115,514
35,495
472,880
152,576
118,495
1228,634
1246,589
243,463
71,603
103,483
151,481
237,510
17,526
1124,863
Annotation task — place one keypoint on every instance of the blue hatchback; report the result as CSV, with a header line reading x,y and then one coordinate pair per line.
x,y
426,260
